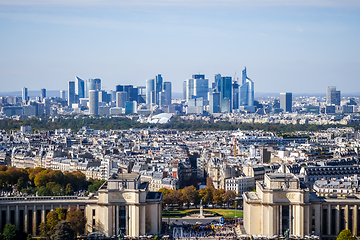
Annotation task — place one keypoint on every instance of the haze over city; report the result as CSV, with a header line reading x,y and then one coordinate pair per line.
x,y
296,46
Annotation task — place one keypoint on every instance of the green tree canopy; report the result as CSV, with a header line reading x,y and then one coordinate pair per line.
x,y
11,232
63,231
345,235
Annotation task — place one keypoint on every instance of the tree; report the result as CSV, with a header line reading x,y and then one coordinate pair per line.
x,y
44,191
69,190
190,195
206,194
174,197
164,191
21,184
345,235
11,232
218,196
52,218
76,219
229,197
61,213
63,231
44,230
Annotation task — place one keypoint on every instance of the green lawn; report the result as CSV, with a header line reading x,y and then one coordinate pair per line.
x,y
218,212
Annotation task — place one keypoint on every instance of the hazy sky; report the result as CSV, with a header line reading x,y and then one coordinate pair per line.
x,y
286,45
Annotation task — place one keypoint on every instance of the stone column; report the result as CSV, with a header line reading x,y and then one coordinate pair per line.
x,y
7,214
1,220
117,219
354,230
337,219
26,219
306,220
34,221
329,220
280,218
290,222
43,217
142,220
17,223
346,215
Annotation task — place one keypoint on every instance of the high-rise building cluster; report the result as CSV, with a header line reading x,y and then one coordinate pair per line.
x,y
224,95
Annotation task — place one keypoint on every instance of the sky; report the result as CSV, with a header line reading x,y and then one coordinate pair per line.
x,y
298,46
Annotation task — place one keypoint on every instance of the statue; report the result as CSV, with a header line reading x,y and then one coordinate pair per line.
x,y
201,215
121,235
286,234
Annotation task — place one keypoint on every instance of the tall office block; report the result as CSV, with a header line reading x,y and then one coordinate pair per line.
x,y
246,91
286,101
24,94
92,84
62,94
196,87
43,93
141,94
189,89
158,87
121,99
104,96
224,85
79,87
132,93
235,95
94,102
150,91
184,90
167,91
201,87
112,95
71,93
214,102
332,96
130,107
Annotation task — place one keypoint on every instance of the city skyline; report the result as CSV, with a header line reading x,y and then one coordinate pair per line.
x,y
284,44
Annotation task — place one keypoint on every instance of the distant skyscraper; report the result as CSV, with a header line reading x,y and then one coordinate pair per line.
x,y
92,84
130,107
121,99
62,94
201,87
214,102
79,87
71,93
104,96
158,87
235,95
196,87
189,89
167,92
141,94
43,93
132,93
24,94
150,91
246,91
332,96
286,101
93,102
184,90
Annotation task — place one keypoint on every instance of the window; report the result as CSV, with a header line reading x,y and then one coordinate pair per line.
x,y
93,222
93,212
